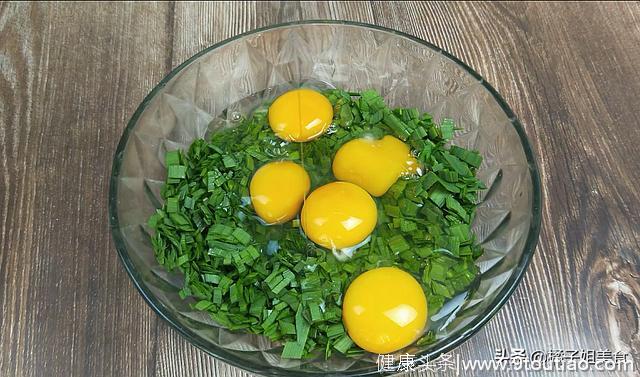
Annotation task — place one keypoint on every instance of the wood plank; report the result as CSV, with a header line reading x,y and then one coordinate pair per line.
x,y
70,77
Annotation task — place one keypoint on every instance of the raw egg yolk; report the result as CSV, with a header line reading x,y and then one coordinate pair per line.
x,y
384,310
277,191
338,215
374,164
300,115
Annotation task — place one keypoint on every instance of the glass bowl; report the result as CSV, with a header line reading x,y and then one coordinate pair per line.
x,y
213,84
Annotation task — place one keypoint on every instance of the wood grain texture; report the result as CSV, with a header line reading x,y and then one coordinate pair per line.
x,y
72,74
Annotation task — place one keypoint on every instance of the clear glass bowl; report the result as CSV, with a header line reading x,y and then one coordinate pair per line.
x,y
408,72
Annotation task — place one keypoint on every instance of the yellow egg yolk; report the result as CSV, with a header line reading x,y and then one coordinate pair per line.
x,y
277,191
374,164
300,115
338,215
384,310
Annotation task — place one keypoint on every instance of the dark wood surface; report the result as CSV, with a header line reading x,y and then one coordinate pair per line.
x,y
71,75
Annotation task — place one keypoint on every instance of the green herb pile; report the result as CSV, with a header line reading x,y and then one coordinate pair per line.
x,y
272,280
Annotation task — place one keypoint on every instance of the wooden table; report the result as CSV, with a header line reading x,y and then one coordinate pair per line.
x,y
71,75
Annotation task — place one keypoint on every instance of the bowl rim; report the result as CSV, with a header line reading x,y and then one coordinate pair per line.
x,y
220,353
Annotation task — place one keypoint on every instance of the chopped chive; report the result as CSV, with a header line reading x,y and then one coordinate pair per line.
x,y
182,260
455,206
335,330
438,196
233,293
172,204
242,236
203,305
229,162
288,328
211,278
172,158
343,344
217,295
283,282
292,350
399,127
176,171
253,252
316,313
302,327
407,226
408,208
446,127
393,211
398,244
272,280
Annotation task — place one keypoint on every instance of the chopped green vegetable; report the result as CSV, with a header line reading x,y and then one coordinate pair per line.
x,y
229,162
176,171
172,158
398,244
272,280
343,344
242,236
292,350
172,205
302,327
335,330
